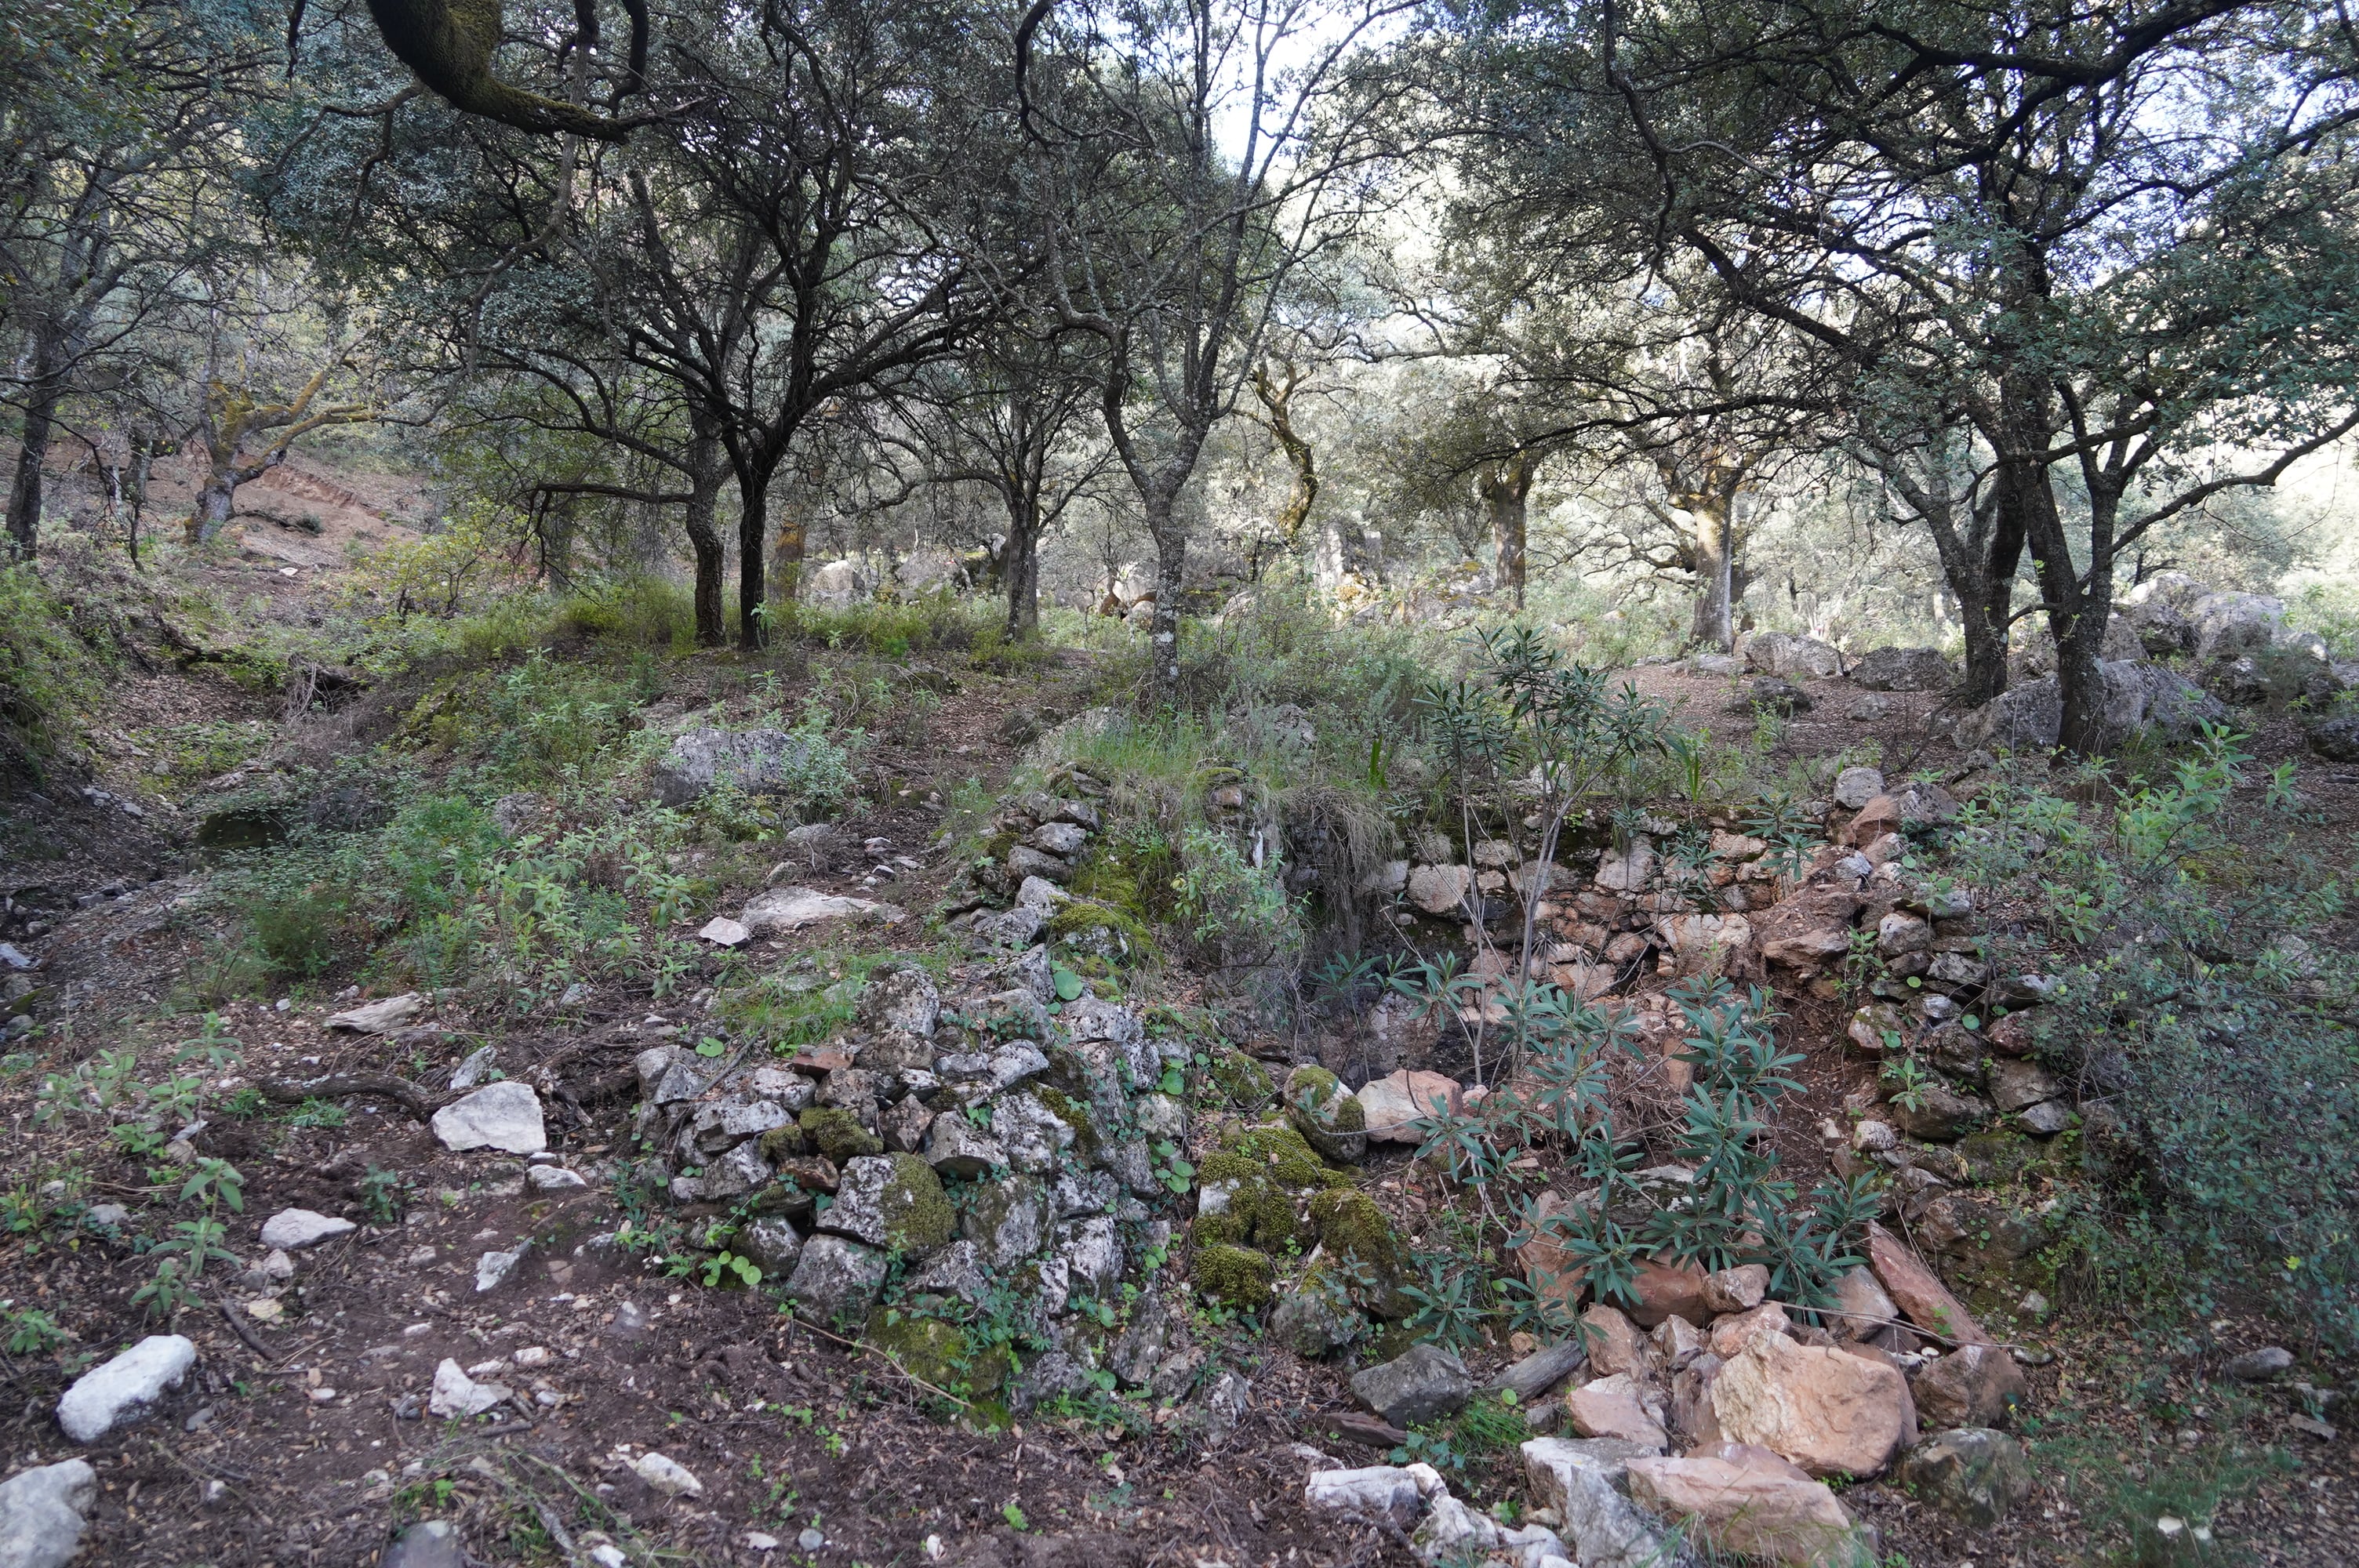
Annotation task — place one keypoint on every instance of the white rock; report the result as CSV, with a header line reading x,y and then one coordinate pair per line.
x,y
108,1395
472,1071
668,1477
492,1269
790,909
1854,787
504,1116
295,1228
457,1394
723,932
41,1513
553,1178
376,1016
1378,1491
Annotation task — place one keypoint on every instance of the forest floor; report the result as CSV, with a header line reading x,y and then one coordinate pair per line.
x,y
296,1442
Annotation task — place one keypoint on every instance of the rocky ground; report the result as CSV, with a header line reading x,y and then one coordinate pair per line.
x,y
483,1289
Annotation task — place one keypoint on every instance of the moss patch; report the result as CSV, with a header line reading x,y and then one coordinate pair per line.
x,y
1354,1231
1101,931
1242,1081
1073,1114
922,1218
837,1133
1235,1275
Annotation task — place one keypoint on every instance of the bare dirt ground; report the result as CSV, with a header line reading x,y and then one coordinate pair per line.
x,y
300,1440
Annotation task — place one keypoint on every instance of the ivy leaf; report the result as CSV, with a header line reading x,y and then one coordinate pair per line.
x,y
1068,984
709,1047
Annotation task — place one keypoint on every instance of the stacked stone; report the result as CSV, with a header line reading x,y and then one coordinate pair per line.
x,y
1001,1147
1036,844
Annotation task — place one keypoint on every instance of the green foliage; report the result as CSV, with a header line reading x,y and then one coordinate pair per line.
x,y
49,673
381,1194
1238,912
29,1331
2212,1039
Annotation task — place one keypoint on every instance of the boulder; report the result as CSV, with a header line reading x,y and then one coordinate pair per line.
x,y
2227,624
1378,1492
1613,1407
1440,890
2336,739
1975,1475
1918,1292
1740,1289
1864,1306
836,1278
504,1115
757,762
775,910
901,996
773,1245
1329,1120
1774,693
1613,1343
1903,669
835,585
1663,1289
1425,1384
1854,787
1732,1334
2258,1366
1783,654
292,1229
895,1202
1936,1112
1315,1317
1975,1385
957,1148
1747,1501
1389,1104
1584,1482
1831,1414
42,1513
119,1391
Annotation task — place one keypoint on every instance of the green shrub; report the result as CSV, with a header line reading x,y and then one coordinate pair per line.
x,y
49,672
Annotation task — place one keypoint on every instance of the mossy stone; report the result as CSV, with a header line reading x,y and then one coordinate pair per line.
x,y
1101,931
783,1143
1073,1114
926,1347
923,1222
1354,1231
837,1133
1329,1117
1242,1081
1237,1276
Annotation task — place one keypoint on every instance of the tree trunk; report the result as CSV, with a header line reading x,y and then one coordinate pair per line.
x,y
25,493
706,471
1019,566
1170,570
1713,548
753,527
1504,488
216,502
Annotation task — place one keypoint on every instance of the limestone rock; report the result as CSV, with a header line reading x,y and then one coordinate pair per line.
x,y
1975,1475
428,1543
1865,1306
118,1391
1329,1118
1774,693
1854,787
1975,1385
776,911
42,1513
958,1148
2258,1366
456,1395
504,1116
292,1229
773,1244
837,1279
1903,669
1423,1385
1440,890
667,1476
377,1017
1829,1413
1582,1482
1315,1319
1740,1289
1378,1492
1749,1501
892,1201
757,762
901,996
1784,653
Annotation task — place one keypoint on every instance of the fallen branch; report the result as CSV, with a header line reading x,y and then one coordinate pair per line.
x,y
237,1320
417,1102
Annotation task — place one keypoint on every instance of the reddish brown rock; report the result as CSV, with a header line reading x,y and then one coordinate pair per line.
x,y
1920,1294
1745,1501
1862,1305
1613,1407
1831,1413
1666,1288
1810,930
1977,1385
1614,1343
1732,1334
1877,817
1391,1105
1549,1267
1690,1412
1677,1342
1737,1289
